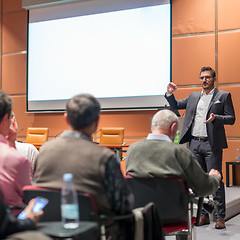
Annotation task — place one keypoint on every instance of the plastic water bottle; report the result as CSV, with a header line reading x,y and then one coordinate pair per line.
x,y
69,203
237,156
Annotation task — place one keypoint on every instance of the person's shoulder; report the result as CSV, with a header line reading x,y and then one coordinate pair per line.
x,y
52,144
15,155
99,148
194,94
137,144
182,149
23,145
223,92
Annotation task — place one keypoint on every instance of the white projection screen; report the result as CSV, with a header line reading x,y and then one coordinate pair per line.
x,y
117,50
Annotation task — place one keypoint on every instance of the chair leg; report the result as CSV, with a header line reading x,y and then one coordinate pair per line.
x,y
190,220
194,233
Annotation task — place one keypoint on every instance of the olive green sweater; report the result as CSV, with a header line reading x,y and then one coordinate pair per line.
x,y
157,158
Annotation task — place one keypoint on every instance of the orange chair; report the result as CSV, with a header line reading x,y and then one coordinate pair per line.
x,y
37,136
113,138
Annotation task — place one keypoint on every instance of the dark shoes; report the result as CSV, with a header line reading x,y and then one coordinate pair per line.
x,y
220,223
204,220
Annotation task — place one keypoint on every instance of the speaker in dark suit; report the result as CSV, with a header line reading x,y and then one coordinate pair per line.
x,y
206,114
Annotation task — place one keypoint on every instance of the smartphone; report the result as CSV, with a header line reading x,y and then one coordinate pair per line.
x,y
40,203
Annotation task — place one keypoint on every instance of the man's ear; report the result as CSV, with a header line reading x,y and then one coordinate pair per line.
x,y
66,118
173,128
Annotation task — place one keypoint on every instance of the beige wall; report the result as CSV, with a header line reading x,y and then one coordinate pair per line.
x,y
205,32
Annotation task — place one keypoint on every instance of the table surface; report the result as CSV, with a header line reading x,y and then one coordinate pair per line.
x,y
55,229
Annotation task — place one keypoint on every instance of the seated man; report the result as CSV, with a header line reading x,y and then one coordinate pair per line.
x,y
14,168
94,168
158,156
26,149
10,224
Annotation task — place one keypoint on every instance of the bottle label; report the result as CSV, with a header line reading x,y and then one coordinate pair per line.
x,y
70,211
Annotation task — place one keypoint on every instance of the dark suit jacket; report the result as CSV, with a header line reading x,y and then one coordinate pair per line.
x,y
221,105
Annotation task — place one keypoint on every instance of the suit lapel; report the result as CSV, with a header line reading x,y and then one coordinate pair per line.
x,y
195,100
214,98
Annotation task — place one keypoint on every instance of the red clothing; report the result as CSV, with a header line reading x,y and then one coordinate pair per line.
x,y
14,173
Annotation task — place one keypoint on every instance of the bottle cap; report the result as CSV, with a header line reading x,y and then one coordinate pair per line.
x,y
68,177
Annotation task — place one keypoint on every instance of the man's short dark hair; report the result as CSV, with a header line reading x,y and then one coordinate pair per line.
x,y
82,110
5,105
213,73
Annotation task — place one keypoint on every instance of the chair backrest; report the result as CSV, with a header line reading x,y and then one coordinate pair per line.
x,y
169,195
52,211
37,135
111,136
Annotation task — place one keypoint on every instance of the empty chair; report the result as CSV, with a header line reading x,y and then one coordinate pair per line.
x,y
113,138
37,136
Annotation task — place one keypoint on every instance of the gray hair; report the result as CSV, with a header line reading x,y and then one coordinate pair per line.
x,y
163,119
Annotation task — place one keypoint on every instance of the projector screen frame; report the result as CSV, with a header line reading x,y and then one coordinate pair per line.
x,y
162,102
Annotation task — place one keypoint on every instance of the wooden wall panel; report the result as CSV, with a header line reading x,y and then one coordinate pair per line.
x,y
229,155
182,93
229,57
14,71
15,32
12,5
228,14
54,121
136,123
24,120
234,130
189,55
192,16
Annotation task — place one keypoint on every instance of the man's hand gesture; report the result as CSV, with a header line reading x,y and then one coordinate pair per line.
x,y
171,87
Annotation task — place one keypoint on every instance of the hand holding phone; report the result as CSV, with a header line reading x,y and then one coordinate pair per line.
x,y
40,203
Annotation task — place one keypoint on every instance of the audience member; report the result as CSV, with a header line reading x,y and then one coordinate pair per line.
x,y
28,150
158,156
14,168
10,224
94,168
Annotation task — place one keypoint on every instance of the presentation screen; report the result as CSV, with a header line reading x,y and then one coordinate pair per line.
x,y
121,56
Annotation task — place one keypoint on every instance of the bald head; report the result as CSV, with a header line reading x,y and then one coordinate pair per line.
x,y
165,122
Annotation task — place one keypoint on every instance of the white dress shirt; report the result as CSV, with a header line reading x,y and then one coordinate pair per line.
x,y
199,128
